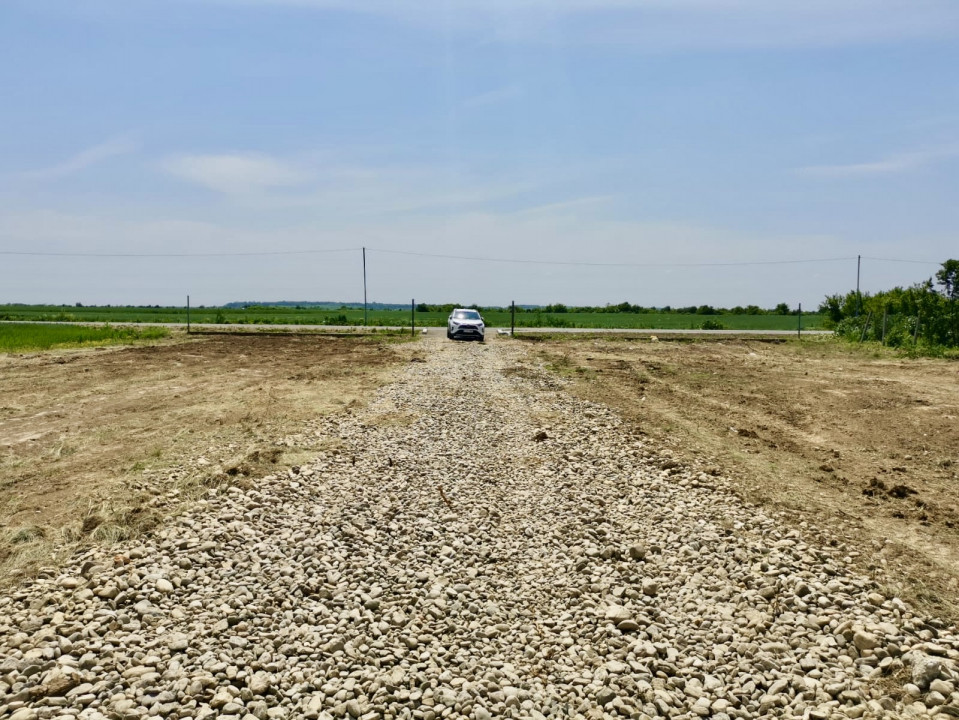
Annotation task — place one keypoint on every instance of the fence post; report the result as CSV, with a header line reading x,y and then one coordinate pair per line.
x,y
512,321
187,314
413,316
865,327
858,296
799,328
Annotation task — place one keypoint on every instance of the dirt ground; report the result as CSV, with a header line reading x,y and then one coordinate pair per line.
x,y
97,445
860,444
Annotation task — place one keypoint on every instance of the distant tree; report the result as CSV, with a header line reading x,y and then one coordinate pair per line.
x,y
948,278
706,310
557,308
781,309
422,307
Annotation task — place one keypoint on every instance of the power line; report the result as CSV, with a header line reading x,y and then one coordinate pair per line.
x,y
899,260
616,264
175,255
442,256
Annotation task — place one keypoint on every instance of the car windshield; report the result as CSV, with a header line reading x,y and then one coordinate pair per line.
x,y
466,315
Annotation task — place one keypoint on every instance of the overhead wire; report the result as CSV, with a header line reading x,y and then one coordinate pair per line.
x,y
609,264
173,255
447,256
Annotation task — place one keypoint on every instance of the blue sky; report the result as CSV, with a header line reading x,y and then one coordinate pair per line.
x,y
645,135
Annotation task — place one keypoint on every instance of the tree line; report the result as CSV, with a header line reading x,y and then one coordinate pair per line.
x,y
623,307
924,314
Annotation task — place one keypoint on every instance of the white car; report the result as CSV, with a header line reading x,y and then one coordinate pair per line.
x,y
465,324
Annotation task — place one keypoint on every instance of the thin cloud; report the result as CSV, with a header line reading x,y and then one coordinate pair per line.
x,y
668,25
235,174
494,97
892,165
87,158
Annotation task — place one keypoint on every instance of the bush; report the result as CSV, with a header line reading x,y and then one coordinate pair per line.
x,y
712,325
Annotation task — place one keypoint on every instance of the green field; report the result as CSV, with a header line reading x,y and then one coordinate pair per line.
x,y
268,315
16,337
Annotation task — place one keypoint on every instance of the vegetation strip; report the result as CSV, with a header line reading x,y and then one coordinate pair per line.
x,y
17,337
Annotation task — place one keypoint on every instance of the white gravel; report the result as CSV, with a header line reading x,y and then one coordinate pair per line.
x,y
481,545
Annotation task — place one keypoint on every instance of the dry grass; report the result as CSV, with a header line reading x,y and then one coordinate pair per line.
x,y
863,446
99,446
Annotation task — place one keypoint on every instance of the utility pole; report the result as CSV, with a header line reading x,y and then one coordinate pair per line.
x,y
364,287
858,296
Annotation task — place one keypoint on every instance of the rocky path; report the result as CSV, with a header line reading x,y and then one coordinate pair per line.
x,y
476,544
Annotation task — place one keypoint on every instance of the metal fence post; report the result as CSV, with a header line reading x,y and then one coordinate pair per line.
x,y
512,322
187,314
413,316
799,329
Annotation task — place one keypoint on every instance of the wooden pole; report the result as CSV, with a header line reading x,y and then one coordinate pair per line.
x,y
865,327
858,296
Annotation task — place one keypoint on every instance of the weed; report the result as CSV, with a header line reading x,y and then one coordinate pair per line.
x,y
26,535
110,533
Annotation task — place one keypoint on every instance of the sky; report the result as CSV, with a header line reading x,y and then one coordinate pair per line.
x,y
664,152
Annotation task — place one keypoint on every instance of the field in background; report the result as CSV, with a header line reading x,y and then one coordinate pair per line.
x,y
96,446
267,315
852,439
18,337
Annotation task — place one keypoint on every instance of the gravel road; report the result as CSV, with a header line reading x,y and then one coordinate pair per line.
x,y
476,543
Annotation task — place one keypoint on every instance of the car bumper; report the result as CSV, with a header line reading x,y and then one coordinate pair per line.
x,y
467,332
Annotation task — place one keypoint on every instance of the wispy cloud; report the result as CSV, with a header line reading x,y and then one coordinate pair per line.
x,y
84,159
657,25
235,174
494,97
891,165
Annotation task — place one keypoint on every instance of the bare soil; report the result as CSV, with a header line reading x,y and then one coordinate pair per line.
x,y
860,444
98,445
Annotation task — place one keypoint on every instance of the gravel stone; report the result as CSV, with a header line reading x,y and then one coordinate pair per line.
x,y
478,549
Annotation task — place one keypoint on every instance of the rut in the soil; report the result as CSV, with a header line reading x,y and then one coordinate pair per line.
x,y
503,551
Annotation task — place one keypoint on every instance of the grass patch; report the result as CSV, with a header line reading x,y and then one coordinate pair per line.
x,y
17,337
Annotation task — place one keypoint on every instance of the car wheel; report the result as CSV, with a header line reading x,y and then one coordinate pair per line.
x,y
449,335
